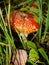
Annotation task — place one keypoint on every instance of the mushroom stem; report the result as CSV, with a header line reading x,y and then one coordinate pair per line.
x,y
23,39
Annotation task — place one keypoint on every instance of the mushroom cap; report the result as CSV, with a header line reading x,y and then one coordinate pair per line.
x,y
23,22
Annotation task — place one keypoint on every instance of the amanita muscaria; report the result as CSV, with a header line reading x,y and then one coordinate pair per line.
x,y
23,22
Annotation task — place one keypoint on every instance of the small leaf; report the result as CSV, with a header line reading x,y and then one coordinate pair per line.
x,y
43,53
33,55
31,45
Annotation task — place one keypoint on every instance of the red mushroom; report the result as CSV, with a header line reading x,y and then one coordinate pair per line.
x,y
23,22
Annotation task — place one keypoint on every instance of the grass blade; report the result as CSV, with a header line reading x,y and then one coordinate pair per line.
x,y
47,22
6,55
43,53
39,2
